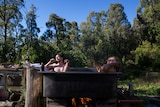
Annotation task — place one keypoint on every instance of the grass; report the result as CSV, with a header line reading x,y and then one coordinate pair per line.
x,y
143,87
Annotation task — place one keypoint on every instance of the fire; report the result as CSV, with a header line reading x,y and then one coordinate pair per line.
x,y
83,101
73,102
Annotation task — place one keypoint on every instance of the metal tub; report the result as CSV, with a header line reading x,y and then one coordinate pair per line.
x,y
79,84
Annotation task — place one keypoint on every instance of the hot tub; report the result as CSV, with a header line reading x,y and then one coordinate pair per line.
x,y
80,84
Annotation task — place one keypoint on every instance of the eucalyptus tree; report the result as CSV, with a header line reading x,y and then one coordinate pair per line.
x,y
72,31
71,45
92,39
31,45
66,42
147,29
55,26
147,23
10,16
118,31
61,32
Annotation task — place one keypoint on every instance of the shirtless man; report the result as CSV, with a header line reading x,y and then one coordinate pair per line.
x,y
57,64
112,65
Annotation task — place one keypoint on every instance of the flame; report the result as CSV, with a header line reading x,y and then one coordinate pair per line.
x,y
73,102
84,101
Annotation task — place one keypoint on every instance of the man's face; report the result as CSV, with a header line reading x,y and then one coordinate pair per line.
x,y
111,60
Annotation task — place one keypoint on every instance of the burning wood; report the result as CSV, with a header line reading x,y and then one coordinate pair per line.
x,y
84,101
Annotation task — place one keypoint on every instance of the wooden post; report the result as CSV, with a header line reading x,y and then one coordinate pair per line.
x,y
33,87
28,99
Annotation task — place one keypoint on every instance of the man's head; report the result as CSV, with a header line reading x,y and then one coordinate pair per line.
x,y
113,59
113,64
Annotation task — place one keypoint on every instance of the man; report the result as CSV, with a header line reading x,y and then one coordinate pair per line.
x,y
112,65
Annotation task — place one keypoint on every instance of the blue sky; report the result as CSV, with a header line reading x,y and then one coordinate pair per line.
x,y
76,10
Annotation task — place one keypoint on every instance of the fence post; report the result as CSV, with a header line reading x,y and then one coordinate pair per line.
x,y
33,87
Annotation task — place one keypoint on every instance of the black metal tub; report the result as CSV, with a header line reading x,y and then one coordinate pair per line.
x,y
79,84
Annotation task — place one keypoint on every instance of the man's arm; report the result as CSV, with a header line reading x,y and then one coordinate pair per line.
x,y
107,67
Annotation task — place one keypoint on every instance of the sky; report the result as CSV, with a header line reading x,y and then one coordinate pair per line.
x,y
76,10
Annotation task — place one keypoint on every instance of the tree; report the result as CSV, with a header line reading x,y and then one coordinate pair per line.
x,y
147,56
147,22
146,29
31,46
10,16
56,25
92,39
118,31
72,31
71,36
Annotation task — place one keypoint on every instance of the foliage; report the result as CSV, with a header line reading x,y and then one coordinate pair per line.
x,y
10,17
147,56
93,38
118,30
76,57
146,25
30,49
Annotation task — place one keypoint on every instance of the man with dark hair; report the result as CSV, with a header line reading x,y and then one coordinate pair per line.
x,y
113,64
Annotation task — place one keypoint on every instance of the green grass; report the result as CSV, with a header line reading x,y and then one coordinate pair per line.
x,y
143,87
